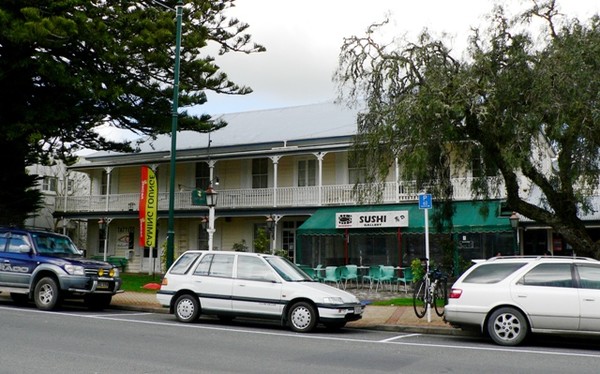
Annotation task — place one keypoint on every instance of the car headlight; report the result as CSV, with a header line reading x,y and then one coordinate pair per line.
x,y
333,300
74,269
114,272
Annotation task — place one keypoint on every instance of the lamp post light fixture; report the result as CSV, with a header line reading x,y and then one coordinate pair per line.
x,y
211,202
514,222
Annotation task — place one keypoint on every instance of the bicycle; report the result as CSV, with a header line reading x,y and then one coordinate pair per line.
x,y
431,291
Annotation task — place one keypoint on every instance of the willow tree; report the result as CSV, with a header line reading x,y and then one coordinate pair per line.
x,y
526,108
68,66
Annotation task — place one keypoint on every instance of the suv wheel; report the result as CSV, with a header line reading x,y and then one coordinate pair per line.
x,y
187,308
46,294
302,317
507,326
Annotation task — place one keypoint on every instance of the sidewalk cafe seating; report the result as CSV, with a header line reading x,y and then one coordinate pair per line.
x,y
373,275
349,273
333,275
388,275
406,278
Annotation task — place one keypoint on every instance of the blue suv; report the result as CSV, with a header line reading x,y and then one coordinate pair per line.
x,y
47,268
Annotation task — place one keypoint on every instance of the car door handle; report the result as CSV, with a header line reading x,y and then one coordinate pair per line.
x,y
585,299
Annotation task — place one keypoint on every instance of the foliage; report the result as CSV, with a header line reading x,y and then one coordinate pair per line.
x,y
262,242
520,116
241,246
417,269
67,67
282,253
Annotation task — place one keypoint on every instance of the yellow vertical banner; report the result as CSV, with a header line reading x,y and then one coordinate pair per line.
x,y
148,207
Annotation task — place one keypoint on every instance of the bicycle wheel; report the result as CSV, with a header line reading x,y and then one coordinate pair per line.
x,y
440,297
419,299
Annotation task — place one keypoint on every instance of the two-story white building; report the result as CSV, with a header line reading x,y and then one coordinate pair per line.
x,y
290,165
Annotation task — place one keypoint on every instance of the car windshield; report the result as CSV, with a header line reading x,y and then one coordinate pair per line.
x,y
288,270
48,244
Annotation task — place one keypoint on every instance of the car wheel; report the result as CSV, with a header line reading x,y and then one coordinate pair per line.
x,y
302,317
19,298
97,302
187,308
507,326
46,294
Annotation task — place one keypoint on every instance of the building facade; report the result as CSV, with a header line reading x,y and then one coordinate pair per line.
x,y
289,166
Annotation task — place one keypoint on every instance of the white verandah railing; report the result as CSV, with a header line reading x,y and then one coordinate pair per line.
x,y
330,195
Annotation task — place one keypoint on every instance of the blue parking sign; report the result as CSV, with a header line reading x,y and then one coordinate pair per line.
x,y
425,201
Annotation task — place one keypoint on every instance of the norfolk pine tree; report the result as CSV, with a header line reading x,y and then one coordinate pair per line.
x,y
509,99
67,66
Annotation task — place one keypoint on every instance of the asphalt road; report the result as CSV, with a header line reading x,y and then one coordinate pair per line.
x,y
75,340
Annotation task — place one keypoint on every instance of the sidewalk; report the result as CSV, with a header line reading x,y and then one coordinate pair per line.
x,y
389,318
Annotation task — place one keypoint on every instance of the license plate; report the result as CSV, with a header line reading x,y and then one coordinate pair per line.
x,y
102,285
357,309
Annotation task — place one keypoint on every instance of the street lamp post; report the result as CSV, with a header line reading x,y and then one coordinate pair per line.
x,y
270,229
514,222
103,226
211,202
174,115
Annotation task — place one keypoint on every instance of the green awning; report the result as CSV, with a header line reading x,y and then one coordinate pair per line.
x,y
467,218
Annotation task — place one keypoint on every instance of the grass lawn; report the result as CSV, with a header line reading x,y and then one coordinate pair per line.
x,y
135,281
401,301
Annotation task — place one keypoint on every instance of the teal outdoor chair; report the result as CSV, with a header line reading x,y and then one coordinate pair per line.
x,y
372,276
406,278
319,272
349,273
308,270
332,275
388,275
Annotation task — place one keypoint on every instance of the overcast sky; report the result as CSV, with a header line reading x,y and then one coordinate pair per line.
x,y
303,40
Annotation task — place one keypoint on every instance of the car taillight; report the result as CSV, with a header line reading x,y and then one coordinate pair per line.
x,y
455,293
165,282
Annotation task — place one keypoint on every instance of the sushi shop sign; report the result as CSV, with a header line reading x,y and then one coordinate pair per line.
x,y
353,220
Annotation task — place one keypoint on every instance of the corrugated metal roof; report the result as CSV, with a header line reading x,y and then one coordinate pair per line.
x,y
317,121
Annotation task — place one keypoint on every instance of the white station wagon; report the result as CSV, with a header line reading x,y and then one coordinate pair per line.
x,y
239,284
510,297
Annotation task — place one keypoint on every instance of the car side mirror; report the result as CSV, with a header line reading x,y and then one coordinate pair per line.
x,y
24,248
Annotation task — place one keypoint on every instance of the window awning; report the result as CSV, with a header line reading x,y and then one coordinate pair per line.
x,y
479,216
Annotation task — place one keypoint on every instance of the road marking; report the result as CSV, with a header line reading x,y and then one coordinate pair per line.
x,y
175,324
398,337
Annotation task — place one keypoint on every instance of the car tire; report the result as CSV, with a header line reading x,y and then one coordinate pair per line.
x,y
187,308
46,294
302,317
507,326
97,302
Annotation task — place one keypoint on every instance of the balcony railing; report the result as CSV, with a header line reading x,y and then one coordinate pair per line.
x,y
331,195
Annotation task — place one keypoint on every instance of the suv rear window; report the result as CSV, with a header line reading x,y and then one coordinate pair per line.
x,y
492,273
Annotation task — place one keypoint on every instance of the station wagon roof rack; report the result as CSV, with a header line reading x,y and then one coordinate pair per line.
x,y
537,257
